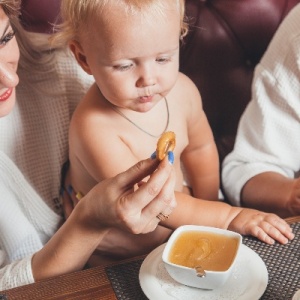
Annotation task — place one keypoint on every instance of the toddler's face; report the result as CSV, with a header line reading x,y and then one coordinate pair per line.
x,y
134,58
9,57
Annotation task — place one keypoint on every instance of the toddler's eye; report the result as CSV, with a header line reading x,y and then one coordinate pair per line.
x,y
7,38
162,60
122,67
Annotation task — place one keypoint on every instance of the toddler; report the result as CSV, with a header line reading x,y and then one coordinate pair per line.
x,y
132,50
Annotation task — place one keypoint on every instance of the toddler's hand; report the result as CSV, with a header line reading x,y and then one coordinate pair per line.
x,y
266,227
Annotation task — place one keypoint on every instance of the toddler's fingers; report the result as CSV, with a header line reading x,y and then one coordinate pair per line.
x,y
283,228
269,234
68,199
262,235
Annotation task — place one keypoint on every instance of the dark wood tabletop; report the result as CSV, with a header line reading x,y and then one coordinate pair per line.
x,y
91,283
86,284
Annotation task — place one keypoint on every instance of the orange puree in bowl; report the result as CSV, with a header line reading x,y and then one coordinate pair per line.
x,y
211,251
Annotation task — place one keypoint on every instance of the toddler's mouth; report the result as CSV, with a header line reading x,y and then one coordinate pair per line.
x,y
145,99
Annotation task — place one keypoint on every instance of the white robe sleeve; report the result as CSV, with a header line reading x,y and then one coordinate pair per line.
x,y
26,224
268,138
16,273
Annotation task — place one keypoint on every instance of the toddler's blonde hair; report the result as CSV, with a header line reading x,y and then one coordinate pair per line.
x,y
75,15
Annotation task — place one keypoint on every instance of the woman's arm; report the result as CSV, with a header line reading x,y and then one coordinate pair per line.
x,y
69,249
273,190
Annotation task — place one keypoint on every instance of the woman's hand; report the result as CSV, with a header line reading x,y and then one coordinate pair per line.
x,y
120,205
112,203
126,202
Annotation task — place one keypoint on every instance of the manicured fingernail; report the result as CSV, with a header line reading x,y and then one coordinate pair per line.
x,y
61,191
171,157
153,155
70,189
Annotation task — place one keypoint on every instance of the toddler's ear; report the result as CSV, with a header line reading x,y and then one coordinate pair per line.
x,y
80,56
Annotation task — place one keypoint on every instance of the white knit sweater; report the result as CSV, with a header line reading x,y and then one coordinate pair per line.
x,y
268,136
33,147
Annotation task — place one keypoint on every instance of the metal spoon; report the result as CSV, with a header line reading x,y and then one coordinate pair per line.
x,y
200,271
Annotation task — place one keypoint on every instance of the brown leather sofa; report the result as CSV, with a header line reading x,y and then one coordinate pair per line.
x,y
40,15
226,40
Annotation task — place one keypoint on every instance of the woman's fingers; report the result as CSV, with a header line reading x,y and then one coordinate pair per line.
x,y
139,209
135,210
136,173
158,192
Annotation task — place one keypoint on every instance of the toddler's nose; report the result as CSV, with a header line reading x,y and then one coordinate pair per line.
x,y
146,81
147,75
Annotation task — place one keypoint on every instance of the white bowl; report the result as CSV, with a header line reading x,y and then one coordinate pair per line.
x,y
208,248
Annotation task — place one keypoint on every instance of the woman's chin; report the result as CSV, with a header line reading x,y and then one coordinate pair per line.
x,y
6,107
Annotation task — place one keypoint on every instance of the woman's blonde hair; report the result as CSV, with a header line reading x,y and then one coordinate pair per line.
x,y
76,13
11,8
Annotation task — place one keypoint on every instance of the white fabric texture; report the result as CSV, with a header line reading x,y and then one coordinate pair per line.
x,y
33,147
269,129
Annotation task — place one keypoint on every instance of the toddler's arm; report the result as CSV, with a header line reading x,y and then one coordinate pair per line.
x,y
200,157
265,226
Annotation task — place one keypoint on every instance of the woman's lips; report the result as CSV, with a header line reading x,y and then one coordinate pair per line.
x,y
6,94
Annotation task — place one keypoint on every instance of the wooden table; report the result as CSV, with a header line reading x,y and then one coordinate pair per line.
x,y
86,284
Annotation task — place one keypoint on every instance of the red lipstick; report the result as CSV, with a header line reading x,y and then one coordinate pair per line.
x,y
6,94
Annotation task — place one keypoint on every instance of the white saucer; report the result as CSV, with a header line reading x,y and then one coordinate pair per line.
x,y
247,282
297,295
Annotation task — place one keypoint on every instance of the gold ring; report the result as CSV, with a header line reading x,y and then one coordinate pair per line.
x,y
79,195
162,217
